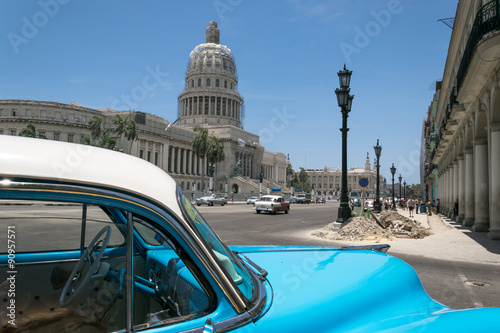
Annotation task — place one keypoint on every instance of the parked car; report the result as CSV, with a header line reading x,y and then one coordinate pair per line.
x,y
293,200
356,202
91,249
272,204
212,199
320,200
252,199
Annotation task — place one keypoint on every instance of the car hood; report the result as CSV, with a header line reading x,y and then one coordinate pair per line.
x,y
340,290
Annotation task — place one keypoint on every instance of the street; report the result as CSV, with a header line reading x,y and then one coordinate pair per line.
x,y
456,284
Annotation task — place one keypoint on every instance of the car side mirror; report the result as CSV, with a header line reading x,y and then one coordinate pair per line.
x,y
209,326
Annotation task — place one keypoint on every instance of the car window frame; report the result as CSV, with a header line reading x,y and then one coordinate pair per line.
x,y
29,189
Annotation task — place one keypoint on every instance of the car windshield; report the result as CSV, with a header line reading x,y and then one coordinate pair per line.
x,y
226,258
266,199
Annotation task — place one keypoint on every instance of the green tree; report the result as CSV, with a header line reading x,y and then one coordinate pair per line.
x,y
30,132
96,128
303,178
126,128
215,155
201,146
131,133
107,141
289,174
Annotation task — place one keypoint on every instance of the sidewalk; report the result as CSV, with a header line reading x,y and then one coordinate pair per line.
x,y
449,241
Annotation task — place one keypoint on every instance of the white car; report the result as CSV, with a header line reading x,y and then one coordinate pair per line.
x,y
212,199
271,204
252,199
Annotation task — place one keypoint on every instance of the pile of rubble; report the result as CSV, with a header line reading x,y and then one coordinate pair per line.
x,y
364,229
401,226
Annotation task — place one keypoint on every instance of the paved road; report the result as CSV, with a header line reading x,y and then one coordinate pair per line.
x,y
455,283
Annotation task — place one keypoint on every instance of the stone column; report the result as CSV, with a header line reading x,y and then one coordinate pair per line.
x,y
188,161
456,180
481,186
469,189
449,191
495,182
178,154
184,160
461,189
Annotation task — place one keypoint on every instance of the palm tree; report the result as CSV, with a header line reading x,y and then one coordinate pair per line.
x,y
303,178
126,127
201,146
215,155
30,132
131,133
96,128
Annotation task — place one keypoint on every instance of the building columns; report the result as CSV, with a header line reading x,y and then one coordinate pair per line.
x,y
481,186
469,189
461,189
495,182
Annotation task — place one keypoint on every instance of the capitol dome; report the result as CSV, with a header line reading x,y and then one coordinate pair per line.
x,y
210,96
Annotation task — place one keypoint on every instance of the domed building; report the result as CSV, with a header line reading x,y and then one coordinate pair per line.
x,y
210,99
211,96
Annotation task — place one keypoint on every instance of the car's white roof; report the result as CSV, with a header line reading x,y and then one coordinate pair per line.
x,y
69,162
272,196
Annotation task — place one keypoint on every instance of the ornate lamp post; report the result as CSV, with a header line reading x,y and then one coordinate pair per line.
x,y
345,102
400,192
393,171
404,190
377,206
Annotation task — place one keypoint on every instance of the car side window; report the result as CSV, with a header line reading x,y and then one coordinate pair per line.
x,y
165,289
53,226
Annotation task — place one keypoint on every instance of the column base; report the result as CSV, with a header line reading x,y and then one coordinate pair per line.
x,y
494,234
468,222
461,218
481,226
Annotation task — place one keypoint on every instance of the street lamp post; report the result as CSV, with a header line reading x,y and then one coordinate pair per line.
x,y
400,192
261,178
393,171
404,190
378,151
345,102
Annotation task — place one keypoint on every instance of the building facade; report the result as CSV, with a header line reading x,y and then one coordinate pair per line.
x,y
209,100
329,181
463,142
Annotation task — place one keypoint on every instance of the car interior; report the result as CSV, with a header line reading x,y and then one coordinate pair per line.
x,y
70,271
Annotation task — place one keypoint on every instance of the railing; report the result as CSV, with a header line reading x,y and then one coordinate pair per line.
x,y
487,20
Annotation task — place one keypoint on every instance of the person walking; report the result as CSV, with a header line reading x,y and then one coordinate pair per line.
x,y
417,203
437,206
411,206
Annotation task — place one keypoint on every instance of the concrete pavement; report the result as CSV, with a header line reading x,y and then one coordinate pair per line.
x,y
449,241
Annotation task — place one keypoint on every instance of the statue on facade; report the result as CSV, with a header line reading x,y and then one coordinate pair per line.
x,y
237,169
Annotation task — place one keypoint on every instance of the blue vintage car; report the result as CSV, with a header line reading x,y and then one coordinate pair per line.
x,y
99,241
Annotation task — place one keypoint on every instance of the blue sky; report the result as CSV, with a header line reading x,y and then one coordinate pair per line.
x,y
287,52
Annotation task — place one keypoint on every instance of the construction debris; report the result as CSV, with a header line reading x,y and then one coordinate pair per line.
x,y
361,228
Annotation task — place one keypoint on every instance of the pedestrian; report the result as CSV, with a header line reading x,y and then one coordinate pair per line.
x,y
411,206
417,203
437,206
232,197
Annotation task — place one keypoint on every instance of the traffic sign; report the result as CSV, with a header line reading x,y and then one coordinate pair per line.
x,y
363,182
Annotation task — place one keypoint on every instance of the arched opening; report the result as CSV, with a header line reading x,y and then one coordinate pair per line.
x,y
235,188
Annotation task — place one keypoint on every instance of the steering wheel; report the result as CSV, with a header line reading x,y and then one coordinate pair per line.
x,y
88,268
